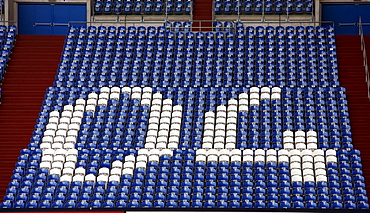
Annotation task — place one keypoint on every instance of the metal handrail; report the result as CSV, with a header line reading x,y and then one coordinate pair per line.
x,y
199,27
364,55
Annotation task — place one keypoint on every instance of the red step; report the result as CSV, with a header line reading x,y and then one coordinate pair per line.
x,y
352,77
202,15
31,70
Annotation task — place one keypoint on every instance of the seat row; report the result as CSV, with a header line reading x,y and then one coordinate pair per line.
x,y
225,7
289,7
137,7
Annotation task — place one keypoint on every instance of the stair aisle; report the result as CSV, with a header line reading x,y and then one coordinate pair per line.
x,y
203,10
352,77
31,70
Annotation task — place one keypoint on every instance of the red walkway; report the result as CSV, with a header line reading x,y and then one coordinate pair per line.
x,y
352,77
31,70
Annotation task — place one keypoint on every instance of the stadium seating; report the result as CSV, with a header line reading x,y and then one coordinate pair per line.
x,y
266,7
148,7
7,38
164,117
164,57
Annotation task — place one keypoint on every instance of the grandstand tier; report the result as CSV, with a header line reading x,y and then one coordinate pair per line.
x,y
243,117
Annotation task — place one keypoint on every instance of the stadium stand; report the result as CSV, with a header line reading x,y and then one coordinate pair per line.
x,y
148,7
243,117
263,6
7,39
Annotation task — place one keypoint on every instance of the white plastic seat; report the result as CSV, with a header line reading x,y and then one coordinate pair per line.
x,y
47,152
67,171
102,178
207,145
78,178
254,96
300,146
75,120
49,133
57,146
295,172
80,102
126,90
308,178
54,114
283,158
80,171
271,152
59,158
78,114
330,152
265,96
47,139
259,158
295,159
115,178
116,171
67,114
104,90
221,108
254,90
275,96
103,171
297,178
114,95
219,146
130,158
103,102
321,178
320,172
307,165
271,158
89,108
331,159
288,134
55,171
90,177
248,152
311,134
288,146
117,164
276,90
62,126
146,96
318,152
44,146
242,96
319,165
45,164
312,146
70,164
51,126
177,108
92,95
61,132
259,152
64,120
147,90
308,172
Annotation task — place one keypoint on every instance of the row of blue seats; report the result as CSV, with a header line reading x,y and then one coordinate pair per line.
x,y
259,31
148,7
263,6
183,204
179,7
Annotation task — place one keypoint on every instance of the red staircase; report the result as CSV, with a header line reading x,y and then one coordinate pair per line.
x,y
203,10
31,70
352,77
